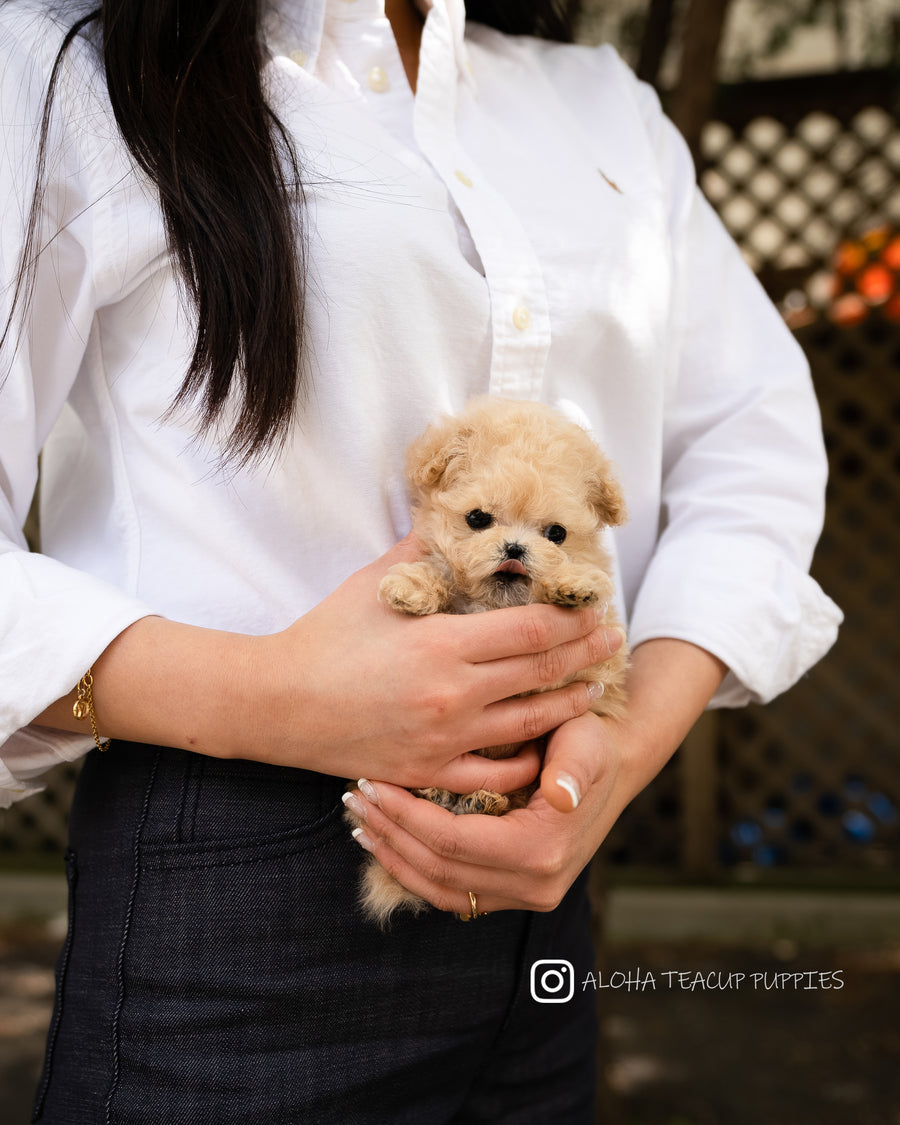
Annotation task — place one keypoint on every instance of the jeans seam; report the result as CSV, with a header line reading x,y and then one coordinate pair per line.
x,y
123,941
72,879
229,854
178,830
186,815
197,775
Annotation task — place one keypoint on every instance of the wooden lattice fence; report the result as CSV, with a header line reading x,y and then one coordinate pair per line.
x,y
796,168
38,824
805,173
813,779
796,165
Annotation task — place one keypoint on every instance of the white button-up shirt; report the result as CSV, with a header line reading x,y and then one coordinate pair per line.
x,y
526,225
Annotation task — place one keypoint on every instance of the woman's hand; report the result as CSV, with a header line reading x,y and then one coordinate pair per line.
x,y
524,860
353,688
529,858
357,689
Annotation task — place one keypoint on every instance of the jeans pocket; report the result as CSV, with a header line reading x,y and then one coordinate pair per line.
x,y
203,806
62,966
234,955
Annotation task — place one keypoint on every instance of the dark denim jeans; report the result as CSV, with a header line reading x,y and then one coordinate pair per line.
x,y
217,970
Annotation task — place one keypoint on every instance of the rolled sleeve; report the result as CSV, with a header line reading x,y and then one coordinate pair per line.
x,y
762,615
743,466
29,754
54,620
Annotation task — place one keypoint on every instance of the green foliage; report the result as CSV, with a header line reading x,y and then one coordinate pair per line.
x,y
785,18
778,22
865,32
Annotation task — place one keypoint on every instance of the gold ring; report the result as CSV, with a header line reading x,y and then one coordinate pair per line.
x,y
473,902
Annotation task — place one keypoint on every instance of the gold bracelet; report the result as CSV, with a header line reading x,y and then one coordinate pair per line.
x,y
84,705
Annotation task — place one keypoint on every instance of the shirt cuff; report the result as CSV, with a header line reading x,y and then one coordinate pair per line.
x,y
753,608
54,623
30,753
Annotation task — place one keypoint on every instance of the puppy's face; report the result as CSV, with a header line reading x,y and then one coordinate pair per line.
x,y
504,547
513,499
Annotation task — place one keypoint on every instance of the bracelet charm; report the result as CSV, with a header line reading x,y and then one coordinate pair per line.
x,y
84,707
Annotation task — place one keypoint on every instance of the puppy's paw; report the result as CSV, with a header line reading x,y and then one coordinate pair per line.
x,y
578,586
413,588
442,797
483,801
574,596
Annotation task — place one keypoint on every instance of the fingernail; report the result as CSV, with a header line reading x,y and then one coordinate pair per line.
x,y
354,804
362,839
567,782
595,689
614,637
368,790
600,611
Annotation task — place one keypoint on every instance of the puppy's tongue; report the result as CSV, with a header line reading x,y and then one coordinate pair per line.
x,y
511,566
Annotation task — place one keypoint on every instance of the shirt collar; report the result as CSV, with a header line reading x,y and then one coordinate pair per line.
x,y
297,25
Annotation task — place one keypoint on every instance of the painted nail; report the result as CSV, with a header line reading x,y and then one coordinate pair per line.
x,y
567,782
362,839
595,690
354,804
368,790
615,638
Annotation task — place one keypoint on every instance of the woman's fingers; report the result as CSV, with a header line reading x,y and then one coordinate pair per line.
x,y
427,876
469,840
528,717
532,647
470,772
520,631
538,670
421,846
508,722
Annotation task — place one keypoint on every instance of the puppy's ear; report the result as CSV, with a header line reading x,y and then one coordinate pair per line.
x,y
438,453
605,495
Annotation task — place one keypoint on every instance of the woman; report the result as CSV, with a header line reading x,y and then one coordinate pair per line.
x,y
270,244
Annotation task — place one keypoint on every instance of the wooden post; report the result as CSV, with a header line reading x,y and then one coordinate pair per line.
x,y
698,798
692,99
655,40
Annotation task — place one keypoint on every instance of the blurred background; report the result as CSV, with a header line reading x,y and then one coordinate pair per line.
x,y
769,845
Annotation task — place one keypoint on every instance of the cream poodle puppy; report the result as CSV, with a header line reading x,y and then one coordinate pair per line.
x,y
510,499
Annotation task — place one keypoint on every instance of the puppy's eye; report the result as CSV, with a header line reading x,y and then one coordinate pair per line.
x,y
556,533
478,520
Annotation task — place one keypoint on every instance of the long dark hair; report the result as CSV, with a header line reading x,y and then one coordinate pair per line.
x,y
184,80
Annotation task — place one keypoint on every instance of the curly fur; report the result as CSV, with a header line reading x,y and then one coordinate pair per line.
x,y
533,473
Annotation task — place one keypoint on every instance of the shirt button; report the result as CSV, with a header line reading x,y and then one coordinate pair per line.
x,y
299,57
521,318
463,178
378,80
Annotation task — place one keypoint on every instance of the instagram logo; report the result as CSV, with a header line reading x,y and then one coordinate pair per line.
x,y
552,981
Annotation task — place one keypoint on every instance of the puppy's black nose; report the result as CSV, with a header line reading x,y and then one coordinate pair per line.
x,y
514,550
